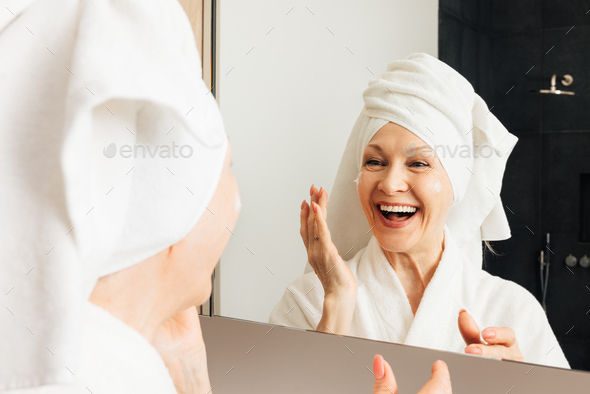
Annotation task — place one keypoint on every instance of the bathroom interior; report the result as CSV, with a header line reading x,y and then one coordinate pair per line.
x,y
207,273
510,51
527,60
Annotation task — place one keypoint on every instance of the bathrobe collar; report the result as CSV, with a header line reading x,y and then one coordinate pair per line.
x,y
438,305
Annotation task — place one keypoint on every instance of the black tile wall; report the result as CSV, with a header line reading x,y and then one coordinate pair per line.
x,y
517,69
476,13
485,12
467,10
569,53
450,39
470,11
452,6
568,298
520,44
517,260
469,55
568,13
522,185
484,71
467,52
565,156
516,15
576,351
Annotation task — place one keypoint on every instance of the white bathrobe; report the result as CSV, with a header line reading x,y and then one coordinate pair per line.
x,y
383,310
114,359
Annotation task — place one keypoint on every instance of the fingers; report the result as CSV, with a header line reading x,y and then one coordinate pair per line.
x,y
311,218
499,336
384,378
314,193
321,227
468,328
500,342
496,351
319,197
303,219
440,380
323,202
440,372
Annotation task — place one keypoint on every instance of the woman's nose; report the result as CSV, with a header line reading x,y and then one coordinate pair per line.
x,y
394,182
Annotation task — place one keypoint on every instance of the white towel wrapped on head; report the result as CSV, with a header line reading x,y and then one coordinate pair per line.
x,y
436,103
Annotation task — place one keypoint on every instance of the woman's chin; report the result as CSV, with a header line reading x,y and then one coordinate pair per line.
x,y
395,245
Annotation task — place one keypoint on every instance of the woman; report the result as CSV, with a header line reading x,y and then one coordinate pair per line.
x,y
121,246
418,279
104,256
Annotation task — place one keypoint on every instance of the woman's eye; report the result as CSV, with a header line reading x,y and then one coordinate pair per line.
x,y
372,163
419,164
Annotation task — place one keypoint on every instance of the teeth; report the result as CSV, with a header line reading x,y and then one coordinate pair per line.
x,y
397,208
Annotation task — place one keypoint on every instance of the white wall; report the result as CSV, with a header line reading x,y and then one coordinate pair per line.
x,y
288,105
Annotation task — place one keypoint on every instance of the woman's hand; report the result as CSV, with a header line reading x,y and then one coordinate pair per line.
x,y
501,341
180,343
339,284
439,383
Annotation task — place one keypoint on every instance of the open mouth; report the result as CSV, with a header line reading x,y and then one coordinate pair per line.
x,y
397,213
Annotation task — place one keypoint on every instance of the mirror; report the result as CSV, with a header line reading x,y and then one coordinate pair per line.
x,y
291,77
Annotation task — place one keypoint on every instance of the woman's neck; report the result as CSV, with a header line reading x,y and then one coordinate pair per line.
x,y
130,296
416,268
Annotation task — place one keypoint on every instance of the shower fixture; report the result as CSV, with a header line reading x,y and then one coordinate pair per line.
x,y
566,81
544,268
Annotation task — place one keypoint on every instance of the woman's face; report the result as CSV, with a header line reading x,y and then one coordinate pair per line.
x,y
399,172
197,254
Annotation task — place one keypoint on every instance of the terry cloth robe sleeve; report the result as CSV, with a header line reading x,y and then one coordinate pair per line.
x,y
298,309
115,359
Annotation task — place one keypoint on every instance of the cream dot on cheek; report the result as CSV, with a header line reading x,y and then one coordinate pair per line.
x,y
238,202
437,187
358,179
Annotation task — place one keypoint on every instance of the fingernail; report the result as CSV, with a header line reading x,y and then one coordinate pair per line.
x,y
321,188
379,368
488,334
462,310
311,190
302,204
314,207
473,350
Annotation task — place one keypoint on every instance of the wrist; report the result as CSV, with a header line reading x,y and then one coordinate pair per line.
x,y
338,310
189,373
340,296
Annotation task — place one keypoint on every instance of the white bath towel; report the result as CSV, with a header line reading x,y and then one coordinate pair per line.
x,y
115,359
438,105
84,83
383,311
